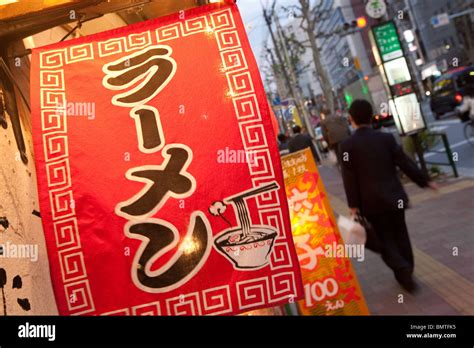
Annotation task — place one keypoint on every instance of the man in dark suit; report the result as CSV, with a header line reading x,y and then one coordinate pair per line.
x,y
335,130
369,161
302,141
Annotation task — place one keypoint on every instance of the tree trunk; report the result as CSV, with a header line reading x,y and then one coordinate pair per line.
x,y
291,90
322,73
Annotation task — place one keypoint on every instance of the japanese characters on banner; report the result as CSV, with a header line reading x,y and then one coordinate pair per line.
x,y
330,283
159,178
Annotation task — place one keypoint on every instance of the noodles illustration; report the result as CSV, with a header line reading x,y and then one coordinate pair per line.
x,y
246,245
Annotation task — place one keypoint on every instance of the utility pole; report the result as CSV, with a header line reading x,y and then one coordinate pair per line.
x,y
413,69
268,21
308,16
276,74
293,79
294,92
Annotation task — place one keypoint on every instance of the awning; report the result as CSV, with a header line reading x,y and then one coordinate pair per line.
x,y
22,18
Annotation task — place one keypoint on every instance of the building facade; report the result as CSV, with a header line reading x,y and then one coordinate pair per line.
x,y
345,55
449,45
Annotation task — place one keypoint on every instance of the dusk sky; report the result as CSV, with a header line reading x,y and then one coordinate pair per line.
x,y
251,11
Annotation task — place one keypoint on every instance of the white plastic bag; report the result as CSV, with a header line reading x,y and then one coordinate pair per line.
x,y
352,232
332,158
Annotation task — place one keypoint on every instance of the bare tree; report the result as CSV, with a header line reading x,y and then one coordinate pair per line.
x,y
268,13
273,69
283,55
296,50
310,16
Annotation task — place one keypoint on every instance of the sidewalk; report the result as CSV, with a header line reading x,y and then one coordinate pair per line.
x,y
439,225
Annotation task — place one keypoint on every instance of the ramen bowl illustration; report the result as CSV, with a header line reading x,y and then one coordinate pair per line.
x,y
247,250
246,245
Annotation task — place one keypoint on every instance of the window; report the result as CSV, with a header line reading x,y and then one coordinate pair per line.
x,y
397,71
443,85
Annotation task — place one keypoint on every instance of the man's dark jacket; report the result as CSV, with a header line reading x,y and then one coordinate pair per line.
x,y
369,160
300,142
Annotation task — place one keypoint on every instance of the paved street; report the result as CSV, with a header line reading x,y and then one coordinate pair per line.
x,y
438,224
453,128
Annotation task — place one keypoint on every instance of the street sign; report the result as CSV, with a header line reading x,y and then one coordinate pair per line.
x,y
388,42
440,20
376,8
407,114
276,101
403,101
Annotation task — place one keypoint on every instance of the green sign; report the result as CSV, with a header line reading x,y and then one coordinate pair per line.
x,y
388,42
348,98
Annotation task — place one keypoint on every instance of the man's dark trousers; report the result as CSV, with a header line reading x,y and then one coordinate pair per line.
x,y
391,229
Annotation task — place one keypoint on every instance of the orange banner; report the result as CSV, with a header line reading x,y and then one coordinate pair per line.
x,y
330,283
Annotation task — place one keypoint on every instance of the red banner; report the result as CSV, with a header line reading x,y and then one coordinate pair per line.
x,y
159,179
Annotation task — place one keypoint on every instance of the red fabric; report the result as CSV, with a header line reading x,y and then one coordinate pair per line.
x,y
211,105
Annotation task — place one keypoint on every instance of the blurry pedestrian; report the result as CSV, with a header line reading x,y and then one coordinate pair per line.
x,y
302,141
466,109
283,144
335,130
369,159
